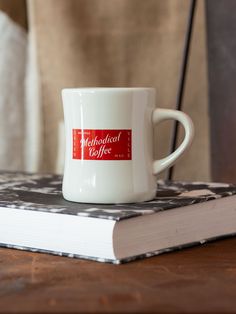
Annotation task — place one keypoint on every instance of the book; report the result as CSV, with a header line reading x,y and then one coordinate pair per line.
x,y
35,217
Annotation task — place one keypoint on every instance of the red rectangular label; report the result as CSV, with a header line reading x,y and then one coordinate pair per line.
x,y
102,144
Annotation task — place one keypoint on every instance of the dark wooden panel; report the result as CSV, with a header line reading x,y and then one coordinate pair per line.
x,y
196,280
221,39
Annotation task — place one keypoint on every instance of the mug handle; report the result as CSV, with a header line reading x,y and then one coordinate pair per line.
x,y
160,115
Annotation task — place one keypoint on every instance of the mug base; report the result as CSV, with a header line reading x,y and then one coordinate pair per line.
x,y
110,199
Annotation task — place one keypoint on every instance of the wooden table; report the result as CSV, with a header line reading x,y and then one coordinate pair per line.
x,y
196,280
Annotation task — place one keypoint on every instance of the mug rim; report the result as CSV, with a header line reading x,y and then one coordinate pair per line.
x,y
106,89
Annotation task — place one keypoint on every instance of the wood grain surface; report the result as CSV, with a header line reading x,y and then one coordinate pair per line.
x,y
197,280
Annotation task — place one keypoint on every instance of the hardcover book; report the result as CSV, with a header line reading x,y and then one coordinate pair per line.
x,y
35,217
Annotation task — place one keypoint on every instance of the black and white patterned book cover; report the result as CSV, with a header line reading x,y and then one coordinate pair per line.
x,y
42,192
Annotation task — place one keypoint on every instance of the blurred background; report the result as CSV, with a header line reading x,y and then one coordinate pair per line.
x,y
48,45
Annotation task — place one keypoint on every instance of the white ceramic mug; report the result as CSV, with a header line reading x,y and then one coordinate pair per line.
x,y
109,144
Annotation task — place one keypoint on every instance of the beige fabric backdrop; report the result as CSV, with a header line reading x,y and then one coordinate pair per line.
x,y
120,43
13,47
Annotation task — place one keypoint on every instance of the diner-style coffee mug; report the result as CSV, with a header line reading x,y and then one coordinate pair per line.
x,y
109,144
